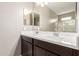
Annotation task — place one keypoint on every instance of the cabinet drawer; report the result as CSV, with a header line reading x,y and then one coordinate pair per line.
x,y
59,50
27,39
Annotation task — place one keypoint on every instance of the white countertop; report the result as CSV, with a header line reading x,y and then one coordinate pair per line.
x,y
50,38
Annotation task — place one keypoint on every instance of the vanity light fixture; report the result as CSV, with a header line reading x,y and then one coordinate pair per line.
x,y
42,4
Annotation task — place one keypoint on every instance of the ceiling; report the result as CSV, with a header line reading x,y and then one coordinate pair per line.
x,y
62,7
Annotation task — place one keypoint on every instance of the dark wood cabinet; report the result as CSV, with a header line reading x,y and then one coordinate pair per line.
x,y
42,52
75,52
26,48
35,47
28,39
54,48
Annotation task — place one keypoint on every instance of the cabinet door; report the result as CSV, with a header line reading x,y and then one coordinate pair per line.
x,y
54,48
75,52
42,52
26,48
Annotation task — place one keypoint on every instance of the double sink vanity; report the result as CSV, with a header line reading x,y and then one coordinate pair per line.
x,y
41,44
50,29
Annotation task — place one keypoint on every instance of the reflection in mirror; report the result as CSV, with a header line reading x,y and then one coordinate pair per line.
x,y
36,19
67,22
56,16
48,18
27,17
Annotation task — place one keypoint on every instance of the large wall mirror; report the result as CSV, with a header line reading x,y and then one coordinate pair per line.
x,y
53,16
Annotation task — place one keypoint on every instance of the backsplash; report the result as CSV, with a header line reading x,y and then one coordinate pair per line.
x,y
30,28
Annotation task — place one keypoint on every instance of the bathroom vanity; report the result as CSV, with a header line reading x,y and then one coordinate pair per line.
x,y
52,17
35,46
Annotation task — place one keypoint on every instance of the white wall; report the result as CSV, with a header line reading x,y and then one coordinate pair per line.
x,y
11,24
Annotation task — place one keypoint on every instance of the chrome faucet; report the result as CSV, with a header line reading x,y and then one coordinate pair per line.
x,y
36,30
